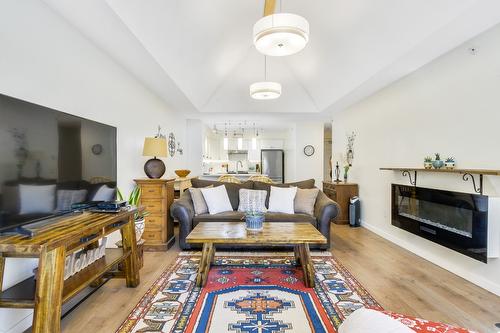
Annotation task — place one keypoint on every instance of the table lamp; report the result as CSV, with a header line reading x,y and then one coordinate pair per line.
x,y
156,147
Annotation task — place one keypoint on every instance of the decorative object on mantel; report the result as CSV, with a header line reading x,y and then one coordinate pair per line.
x,y
428,162
172,147
466,174
449,163
182,173
350,148
437,163
156,147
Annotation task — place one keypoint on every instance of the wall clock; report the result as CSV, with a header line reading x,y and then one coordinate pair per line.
x,y
97,149
171,144
309,150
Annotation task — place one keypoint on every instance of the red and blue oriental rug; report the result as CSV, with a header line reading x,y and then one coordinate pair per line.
x,y
261,293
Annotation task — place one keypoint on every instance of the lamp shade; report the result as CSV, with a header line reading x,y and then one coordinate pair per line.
x,y
155,147
280,34
265,90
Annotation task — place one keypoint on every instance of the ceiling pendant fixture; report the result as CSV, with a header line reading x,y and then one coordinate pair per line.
x,y
265,89
280,34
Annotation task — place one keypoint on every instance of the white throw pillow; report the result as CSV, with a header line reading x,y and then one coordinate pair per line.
x,y
367,321
37,199
252,200
104,193
281,199
217,199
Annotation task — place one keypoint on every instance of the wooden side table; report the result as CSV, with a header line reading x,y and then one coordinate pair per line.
x,y
157,195
341,193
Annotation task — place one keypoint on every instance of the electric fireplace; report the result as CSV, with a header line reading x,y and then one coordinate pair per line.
x,y
456,220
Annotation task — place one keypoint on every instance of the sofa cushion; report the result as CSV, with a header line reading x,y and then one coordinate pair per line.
x,y
305,184
282,217
233,190
220,217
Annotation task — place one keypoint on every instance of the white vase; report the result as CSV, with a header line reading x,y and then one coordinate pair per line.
x,y
140,224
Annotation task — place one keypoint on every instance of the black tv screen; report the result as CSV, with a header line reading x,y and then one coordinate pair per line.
x,y
50,160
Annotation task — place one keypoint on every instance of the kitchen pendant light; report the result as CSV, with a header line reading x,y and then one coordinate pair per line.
x,y
265,89
280,34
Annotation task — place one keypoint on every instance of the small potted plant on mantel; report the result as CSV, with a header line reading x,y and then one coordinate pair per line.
x,y
428,162
438,163
449,163
139,217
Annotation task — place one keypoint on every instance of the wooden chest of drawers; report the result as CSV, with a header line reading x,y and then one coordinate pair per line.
x,y
157,195
341,193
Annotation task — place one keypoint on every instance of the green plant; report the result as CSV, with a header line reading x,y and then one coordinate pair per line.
x,y
450,159
428,159
438,156
133,200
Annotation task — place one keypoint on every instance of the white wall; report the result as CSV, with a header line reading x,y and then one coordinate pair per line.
x,y
299,165
45,61
449,106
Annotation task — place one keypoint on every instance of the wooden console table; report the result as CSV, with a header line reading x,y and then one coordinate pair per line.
x,y
51,244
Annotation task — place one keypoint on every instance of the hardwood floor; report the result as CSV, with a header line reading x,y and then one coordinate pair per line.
x,y
399,280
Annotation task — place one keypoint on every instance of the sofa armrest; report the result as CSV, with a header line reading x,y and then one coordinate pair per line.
x,y
325,210
183,210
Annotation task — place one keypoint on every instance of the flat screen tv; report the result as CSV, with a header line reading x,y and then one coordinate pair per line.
x,y
50,160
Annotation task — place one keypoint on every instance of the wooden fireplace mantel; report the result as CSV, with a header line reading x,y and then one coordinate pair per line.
x,y
467,174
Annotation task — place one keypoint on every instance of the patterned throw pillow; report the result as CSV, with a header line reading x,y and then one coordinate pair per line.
x,y
252,200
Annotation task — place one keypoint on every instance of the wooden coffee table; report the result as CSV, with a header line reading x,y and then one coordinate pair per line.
x,y
274,233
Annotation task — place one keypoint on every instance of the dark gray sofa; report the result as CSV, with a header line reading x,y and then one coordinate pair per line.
x,y
324,210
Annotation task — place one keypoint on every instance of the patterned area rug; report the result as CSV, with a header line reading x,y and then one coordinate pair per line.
x,y
261,293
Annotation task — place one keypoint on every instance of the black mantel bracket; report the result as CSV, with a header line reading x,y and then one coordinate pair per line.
x,y
407,173
479,189
467,174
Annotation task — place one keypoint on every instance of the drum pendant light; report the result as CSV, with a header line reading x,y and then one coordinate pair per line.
x,y
265,89
280,34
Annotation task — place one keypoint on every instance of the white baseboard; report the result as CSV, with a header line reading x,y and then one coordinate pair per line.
x,y
469,276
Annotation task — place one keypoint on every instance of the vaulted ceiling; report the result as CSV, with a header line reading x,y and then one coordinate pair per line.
x,y
198,55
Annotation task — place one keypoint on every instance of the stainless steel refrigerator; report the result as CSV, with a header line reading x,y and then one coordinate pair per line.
x,y
273,164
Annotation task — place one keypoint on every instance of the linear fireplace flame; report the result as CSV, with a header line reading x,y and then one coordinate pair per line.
x,y
456,220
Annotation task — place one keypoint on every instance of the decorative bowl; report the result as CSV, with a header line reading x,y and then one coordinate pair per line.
x,y
182,173
254,221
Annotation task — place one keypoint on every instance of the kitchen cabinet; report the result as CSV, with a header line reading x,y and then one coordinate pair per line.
x,y
271,144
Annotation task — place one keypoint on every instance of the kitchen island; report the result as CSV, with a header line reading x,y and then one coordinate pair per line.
x,y
241,176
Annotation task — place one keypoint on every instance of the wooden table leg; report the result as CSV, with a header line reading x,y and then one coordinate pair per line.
x,y
212,255
2,270
131,264
307,265
49,291
296,253
204,268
